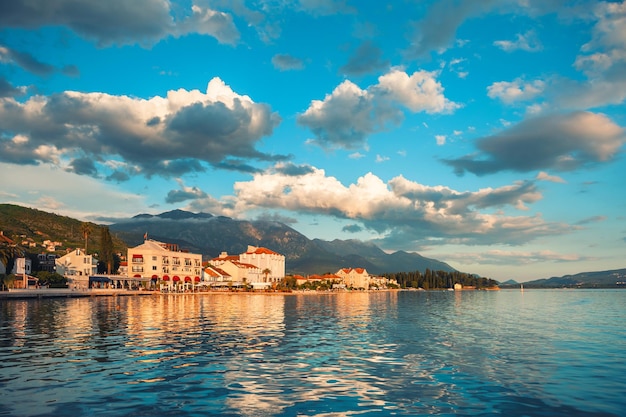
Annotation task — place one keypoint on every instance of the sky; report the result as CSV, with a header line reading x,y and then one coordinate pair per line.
x,y
485,134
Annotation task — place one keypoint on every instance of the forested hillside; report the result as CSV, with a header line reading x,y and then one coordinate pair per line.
x,y
430,280
23,224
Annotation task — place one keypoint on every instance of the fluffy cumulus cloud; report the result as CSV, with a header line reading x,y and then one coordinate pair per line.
x,y
405,212
167,135
559,142
347,116
120,21
517,90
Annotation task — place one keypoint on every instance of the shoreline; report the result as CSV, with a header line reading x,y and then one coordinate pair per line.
x,y
76,293
13,294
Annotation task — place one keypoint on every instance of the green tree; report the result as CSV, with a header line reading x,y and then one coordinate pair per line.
x,y
8,253
107,252
85,231
9,280
266,272
53,279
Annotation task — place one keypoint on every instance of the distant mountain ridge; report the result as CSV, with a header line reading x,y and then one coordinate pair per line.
x,y
211,235
615,278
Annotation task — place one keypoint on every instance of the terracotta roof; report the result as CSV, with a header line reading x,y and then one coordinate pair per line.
x,y
245,265
357,270
6,239
221,271
259,251
215,272
232,258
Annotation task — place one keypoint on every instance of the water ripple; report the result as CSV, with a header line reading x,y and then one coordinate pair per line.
x,y
540,353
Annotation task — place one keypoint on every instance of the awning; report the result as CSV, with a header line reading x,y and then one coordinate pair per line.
x,y
187,279
166,277
136,276
197,279
137,256
155,277
99,279
176,278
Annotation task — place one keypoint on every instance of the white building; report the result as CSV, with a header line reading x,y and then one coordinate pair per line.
x,y
216,277
77,266
155,261
258,267
356,278
271,264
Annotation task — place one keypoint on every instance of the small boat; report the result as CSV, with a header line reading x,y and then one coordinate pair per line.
x,y
521,287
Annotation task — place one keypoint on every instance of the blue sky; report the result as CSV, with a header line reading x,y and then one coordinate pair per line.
x,y
489,135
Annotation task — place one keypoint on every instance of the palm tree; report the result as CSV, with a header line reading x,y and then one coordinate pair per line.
x,y
267,271
85,230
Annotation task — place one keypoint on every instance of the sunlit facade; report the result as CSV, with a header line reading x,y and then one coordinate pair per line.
x,y
77,266
172,269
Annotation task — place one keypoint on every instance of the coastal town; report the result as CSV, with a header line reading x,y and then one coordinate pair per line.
x,y
166,268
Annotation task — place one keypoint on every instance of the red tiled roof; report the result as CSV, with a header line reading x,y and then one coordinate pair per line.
x,y
215,272
221,271
227,258
245,265
6,239
259,251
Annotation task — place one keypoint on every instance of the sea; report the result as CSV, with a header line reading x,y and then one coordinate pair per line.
x,y
389,353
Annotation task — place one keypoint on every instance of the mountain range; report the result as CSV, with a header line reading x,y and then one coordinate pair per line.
x,y
210,235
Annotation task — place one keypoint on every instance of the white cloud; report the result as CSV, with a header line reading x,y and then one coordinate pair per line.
x,y
347,116
403,211
523,41
163,135
544,176
380,158
602,60
419,91
517,90
560,142
441,139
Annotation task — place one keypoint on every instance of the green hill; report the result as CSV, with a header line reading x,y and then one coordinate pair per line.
x,y
23,224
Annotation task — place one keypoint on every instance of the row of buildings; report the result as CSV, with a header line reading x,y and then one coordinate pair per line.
x,y
163,266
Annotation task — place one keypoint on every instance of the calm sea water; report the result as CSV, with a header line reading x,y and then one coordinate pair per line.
x,y
537,353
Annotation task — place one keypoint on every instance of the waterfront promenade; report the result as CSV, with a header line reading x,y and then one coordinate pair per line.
x,y
68,293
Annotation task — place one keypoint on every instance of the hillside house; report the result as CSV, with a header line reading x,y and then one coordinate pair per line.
x,y
77,266
356,278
